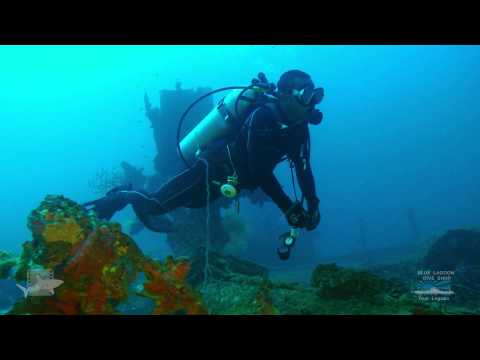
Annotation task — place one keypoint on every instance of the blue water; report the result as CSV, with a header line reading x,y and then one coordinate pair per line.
x,y
400,130
9,294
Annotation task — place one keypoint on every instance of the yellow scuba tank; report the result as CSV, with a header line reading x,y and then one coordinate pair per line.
x,y
220,122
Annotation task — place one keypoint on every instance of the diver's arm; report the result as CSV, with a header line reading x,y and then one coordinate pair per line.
x,y
293,211
141,200
261,157
307,185
306,181
272,188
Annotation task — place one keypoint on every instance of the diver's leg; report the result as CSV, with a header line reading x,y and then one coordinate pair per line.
x,y
188,189
108,205
174,193
167,198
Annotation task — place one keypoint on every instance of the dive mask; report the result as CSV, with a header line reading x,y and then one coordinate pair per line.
x,y
309,96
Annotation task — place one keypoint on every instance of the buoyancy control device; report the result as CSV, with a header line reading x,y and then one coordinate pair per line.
x,y
223,122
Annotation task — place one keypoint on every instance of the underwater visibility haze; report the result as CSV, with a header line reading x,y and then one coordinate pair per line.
x,y
395,161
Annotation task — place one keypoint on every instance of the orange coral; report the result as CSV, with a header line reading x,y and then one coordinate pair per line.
x,y
65,302
177,270
169,291
98,269
96,301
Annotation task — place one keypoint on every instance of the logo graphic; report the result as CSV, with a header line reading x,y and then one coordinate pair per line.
x,y
40,283
434,291
434,285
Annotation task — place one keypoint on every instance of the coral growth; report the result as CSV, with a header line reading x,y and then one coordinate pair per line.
x,y
106,179
7,262
240,295
264,300
103,271
334,282
334,290
98,263
59,219
166,285
67,230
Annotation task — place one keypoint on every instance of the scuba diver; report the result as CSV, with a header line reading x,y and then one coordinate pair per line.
x,y
272,127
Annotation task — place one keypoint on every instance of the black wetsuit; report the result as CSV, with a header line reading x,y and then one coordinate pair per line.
x,y
262,143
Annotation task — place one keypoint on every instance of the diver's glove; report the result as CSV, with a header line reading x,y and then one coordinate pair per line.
x,y
112,202
296,215
313,215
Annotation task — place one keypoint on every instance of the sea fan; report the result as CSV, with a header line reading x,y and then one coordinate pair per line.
x,y
106,179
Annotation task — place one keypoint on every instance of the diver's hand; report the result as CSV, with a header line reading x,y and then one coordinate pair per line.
x,y
296,215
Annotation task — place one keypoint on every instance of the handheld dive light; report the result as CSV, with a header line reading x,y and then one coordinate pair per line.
x,y
287,240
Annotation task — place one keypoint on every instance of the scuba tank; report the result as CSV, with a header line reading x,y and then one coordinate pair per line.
x,y
224,121
219,123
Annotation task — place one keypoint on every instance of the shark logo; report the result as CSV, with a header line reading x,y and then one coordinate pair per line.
x,y
40,283
434,288
434,291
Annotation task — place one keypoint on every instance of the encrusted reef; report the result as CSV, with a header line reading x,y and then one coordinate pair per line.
x,y
334,282
455,257
7,263
331,292
98,265
104,272
351,291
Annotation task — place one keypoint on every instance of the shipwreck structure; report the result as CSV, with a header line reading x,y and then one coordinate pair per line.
x,y
167,163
